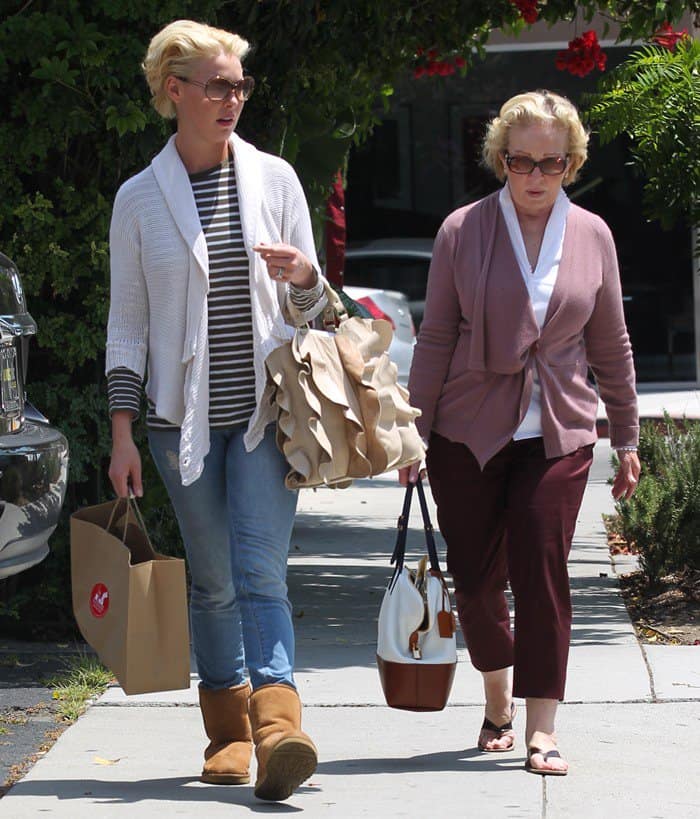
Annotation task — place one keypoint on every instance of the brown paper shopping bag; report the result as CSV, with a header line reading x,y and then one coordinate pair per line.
x,y
129,601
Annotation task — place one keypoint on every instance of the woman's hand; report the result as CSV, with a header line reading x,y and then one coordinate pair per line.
x,y
125,465
286,263
627,478
410,474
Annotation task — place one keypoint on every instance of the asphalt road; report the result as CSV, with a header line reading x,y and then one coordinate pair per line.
x,y
28,713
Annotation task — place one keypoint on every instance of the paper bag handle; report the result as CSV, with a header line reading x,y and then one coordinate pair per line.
x,y
131,506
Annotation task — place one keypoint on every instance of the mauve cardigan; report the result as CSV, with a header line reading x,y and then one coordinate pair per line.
x,y
473,363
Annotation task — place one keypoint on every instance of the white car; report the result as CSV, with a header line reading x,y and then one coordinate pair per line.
x,y
392,306
398,264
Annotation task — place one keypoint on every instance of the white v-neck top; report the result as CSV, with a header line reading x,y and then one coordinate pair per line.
x,y
539,281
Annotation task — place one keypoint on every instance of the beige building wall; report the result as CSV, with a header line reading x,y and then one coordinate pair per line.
x,y
542,36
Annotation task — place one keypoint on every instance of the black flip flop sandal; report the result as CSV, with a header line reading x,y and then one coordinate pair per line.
x,y
530,768
499,731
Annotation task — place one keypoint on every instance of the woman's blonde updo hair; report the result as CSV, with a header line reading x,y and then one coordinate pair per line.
x,y
176,47
536,108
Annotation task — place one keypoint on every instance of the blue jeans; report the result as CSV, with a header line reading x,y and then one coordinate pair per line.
x,y
236,522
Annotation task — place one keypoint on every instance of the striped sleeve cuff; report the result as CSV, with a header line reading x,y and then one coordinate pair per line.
x,y
304,300
124,390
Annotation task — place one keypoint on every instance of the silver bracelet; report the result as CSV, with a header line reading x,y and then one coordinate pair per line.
x,y
625,449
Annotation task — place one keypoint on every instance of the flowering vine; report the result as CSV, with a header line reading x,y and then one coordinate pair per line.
x,y
430,66
582,56
667,37
528,10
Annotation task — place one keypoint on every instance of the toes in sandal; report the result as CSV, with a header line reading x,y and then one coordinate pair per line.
x,y
498,731
530,768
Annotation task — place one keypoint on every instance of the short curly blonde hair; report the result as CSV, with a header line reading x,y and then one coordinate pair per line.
x,y
176,47
536,107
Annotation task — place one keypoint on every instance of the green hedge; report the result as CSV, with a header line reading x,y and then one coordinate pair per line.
x,y
662,519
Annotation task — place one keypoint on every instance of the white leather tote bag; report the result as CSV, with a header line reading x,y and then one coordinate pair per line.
x,y
416,645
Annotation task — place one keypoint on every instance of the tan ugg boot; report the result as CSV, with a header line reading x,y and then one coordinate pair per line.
x,y
226,722
286,756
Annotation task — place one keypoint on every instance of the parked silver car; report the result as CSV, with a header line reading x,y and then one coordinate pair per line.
x,y
398,264
33,454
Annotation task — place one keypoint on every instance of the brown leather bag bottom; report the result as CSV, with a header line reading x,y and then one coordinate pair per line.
x,y
415,686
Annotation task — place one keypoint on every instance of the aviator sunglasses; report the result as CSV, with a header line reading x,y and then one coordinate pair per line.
x,y
549,166
218,89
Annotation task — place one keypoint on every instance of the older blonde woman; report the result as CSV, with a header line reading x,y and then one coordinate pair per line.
x,y
207,245
523,297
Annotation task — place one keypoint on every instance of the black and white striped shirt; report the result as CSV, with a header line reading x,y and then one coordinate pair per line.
x,y
231,371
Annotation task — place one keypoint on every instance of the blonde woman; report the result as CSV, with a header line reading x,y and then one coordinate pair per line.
x,y
208,244
523,297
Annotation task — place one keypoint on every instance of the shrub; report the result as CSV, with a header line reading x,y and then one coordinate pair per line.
x,y
662,519
654,98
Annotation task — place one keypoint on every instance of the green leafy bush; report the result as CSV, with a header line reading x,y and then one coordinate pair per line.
x,y
654,98
662,519
76,122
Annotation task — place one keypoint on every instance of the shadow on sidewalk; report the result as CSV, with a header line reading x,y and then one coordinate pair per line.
x,y
325,536
182,789
467,761
339,570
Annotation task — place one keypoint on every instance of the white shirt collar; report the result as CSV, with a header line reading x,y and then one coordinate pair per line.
x,y
552,241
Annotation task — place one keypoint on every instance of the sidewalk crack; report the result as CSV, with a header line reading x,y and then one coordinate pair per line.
x,y
543,815
652,685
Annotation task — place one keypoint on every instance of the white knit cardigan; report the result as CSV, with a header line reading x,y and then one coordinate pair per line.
x,y
160,281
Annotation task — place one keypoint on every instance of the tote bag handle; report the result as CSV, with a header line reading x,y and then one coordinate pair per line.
x,y
333,312
400,547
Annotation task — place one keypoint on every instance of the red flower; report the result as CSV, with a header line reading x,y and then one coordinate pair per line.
x,y
582,56
527,9
428,64
667,37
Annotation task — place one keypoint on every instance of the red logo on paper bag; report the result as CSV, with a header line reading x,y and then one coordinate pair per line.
x,y
99,600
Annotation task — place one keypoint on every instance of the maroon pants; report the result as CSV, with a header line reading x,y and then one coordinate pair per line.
x,y
513,521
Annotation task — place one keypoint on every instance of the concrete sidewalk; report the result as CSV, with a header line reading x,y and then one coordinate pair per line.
x,y
628,726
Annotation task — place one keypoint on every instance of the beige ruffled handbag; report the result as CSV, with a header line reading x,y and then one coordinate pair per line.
x,y
341,412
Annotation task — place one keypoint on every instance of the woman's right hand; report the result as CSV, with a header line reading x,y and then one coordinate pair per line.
x,y
410,474
125,465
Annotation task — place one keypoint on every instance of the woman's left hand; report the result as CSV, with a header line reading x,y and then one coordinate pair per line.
x,y
286,263
627,478
410,474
